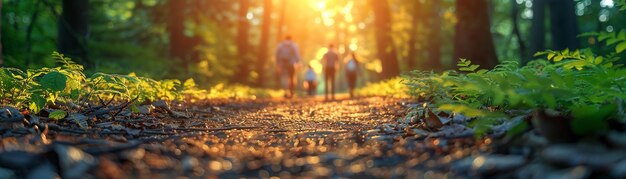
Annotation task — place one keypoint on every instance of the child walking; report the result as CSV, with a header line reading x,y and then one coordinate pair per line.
x,y
311,80
352,65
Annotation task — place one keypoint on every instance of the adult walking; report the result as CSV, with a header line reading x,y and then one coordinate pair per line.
x,y
287,60
352,67
330,63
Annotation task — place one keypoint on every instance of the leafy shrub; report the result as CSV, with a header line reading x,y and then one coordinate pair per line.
x,y
67,84
587,86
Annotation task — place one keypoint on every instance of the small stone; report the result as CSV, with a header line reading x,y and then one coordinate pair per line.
x,y
161,104
72,161
592,155
34,120
17,160
534,140
45,170
488,164
134,155
176,114
190,164
10,114
145,109
534,170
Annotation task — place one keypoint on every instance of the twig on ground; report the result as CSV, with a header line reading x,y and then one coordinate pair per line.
x,y
123,107
108,110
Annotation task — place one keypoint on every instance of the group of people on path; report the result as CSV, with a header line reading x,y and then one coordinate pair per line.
x,y
288,60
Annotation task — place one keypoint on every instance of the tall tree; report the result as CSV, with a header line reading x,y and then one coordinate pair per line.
x,y
563,24
384,42
516,31
418,23
279,36
537,39
29,34
243,46
1,55
472,39
176,29
434,36
264,46
74,30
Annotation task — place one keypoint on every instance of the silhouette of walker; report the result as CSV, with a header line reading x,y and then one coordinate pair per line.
x,y
287,60
310,80
352,67
330,62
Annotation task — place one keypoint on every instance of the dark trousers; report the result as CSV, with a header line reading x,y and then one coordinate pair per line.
x,y
329,80
289,71
312,86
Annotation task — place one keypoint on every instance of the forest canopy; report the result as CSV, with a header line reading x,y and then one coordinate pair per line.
x,y
225,41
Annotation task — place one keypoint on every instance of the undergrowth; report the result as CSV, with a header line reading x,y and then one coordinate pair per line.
x,y
67,85
586,87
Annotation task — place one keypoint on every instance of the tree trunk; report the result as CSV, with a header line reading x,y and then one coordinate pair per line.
x,y
418,13
74,30
537,39
197,13
243,46
384,42
563,24
29,35
264,46
279,37
472,39
176,29
516,31
1,54
434,37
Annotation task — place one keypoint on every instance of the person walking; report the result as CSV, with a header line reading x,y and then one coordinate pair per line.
x,y
287,60
352,66
330,62
311,80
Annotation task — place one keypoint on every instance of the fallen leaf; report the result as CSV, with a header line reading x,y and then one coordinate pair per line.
x,y
432,120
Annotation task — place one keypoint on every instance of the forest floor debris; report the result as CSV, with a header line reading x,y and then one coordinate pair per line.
x,y
354,138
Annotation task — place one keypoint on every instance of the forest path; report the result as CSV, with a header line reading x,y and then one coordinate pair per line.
x,y
310,113
301,137
286,138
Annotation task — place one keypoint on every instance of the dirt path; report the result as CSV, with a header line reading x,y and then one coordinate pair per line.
x,y
304,137
310,114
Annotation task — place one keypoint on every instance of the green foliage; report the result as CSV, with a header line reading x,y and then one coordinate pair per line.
x,y
67,83
589,119
57,115
53,81
572,81
621,4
